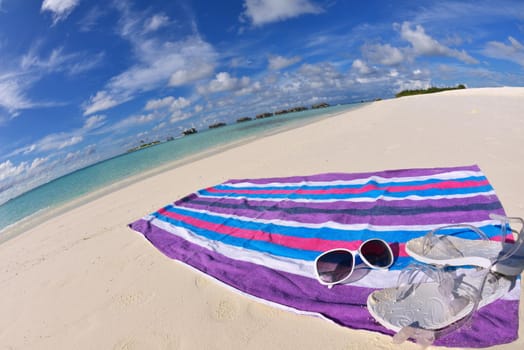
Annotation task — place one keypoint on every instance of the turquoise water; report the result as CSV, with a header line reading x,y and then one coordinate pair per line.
x,y
95,177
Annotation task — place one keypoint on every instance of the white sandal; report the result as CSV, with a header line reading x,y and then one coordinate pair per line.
x,y
430,301
443,249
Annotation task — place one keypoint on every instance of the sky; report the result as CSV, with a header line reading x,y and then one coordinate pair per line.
x,y
82,81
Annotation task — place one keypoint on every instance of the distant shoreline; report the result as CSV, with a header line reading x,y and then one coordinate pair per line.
x,y
44,214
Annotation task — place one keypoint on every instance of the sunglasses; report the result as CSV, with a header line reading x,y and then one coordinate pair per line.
x,y
336,265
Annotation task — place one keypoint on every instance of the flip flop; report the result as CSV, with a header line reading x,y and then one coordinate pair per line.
x,y
441,301
501,257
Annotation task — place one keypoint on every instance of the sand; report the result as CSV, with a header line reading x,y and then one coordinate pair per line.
x,y
84,280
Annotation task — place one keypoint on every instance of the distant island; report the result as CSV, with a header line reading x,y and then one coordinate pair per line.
x,y
320,105
291,110
264,115
428,91
244,119
191,131
142,146
217,125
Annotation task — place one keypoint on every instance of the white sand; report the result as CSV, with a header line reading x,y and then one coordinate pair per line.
x,y
83,280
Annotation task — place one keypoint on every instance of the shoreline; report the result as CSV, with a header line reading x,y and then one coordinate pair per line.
x,y
45,214
84,280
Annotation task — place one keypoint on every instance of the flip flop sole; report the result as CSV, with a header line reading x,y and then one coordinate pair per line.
x,y
427,307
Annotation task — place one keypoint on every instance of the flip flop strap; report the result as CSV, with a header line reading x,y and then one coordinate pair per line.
x,y
505,222
442,243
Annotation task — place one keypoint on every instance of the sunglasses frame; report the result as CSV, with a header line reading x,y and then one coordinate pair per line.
x,y
353,254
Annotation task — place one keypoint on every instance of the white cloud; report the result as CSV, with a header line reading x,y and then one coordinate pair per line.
x,y
412,84
513,52
159,103
177,116
58,141
73,140
11,175
423,44
255,87
28,149
33,63
224,82
12,97
198,108
8,169
167,102
23,173
308,80
72,156
94,121
241,62
133,121
62,140
260,12
469,14
142,119
160,64
38,162
17,177
160,61
32,60
102,101
90,19
160,126
60,8
361,67
179,103
155,22
32,67
190,74
83,65
279,62
383,54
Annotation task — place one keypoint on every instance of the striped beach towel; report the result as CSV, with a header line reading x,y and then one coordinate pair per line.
x,y
261,236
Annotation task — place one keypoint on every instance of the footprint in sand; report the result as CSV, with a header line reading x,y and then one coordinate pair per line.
x,y
127,344
261,315
261,311
201,282
133,299
376,342
156,342
226,310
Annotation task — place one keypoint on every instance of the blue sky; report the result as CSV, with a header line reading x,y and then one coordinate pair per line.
x,y
81,81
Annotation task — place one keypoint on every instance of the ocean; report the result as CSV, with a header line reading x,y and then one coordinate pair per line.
x,y
66,192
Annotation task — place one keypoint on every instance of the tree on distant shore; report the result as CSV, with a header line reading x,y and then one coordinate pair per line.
x,y
428,91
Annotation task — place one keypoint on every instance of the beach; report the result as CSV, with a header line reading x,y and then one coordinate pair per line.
x,y
84,280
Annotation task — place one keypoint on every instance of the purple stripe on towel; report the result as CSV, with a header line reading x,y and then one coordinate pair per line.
x,y
341,205
345,305
354,176
372,217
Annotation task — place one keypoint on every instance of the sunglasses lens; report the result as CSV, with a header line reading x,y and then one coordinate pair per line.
x,y
334,266
377,253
